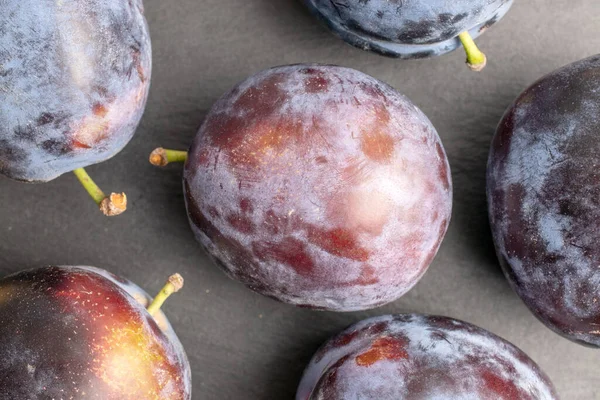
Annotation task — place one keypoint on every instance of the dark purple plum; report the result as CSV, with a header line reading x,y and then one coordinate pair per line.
x,y
84,333
418,357
74,78
411,29
544,199
319,186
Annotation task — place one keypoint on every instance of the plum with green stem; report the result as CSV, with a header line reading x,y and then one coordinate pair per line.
x,y
74,79
412,29
319,186
84,333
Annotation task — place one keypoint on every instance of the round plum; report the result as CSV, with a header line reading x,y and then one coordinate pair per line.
x,y
544,199
74,78
417,357
84,333
319,186
410,29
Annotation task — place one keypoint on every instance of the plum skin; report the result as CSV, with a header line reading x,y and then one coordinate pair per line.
x,y
407,29
74,79
70,331
319,186
544,199
412,356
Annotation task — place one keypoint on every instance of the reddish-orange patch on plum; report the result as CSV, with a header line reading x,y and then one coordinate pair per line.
x,y
262,99
99,110
76,144
505,389
141,73
377,145
90,132
256,103
264,142
289,251
340,242
385,348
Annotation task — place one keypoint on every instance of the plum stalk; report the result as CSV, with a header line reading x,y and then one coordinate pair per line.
x,y
110,206
161,157
174,285
476,60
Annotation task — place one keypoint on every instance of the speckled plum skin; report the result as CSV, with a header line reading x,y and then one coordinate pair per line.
x,y
418,357
83,333
319,186
408,28
74,78
544,199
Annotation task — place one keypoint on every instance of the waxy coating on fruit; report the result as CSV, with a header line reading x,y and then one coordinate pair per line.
x,y
74,78
319,186
410,357
84,333
544,199
412,28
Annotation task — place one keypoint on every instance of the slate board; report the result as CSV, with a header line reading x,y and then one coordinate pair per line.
x,y
241,345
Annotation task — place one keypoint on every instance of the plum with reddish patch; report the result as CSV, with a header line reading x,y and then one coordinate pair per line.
x,y
319,186
81,332
74,78
544,199
408,29
412,357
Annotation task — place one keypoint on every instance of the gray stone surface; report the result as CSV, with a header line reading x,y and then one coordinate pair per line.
x,y
243,346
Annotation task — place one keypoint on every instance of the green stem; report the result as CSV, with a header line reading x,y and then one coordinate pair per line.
x,y
110,206
475,58
161,157
95,192
176,155
174,284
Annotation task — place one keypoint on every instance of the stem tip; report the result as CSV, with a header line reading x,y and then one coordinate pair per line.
x,y
476,60
159,157
479,66
174,284
114,204
177,281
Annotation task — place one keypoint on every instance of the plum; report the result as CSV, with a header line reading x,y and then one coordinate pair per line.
x,y
419,357
318,186
74,78
412,29
544,199
83,333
